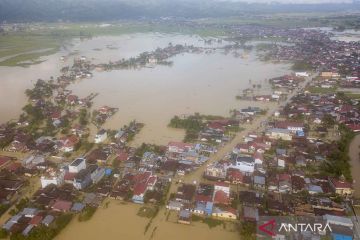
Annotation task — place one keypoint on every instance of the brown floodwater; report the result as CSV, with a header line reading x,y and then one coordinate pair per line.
x,y
15,80
205,83
195,83
119,221
354,153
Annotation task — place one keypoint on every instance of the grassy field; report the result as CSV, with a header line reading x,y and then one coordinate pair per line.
x,y
321,90
15,49
26,47
94,29
352,95
41,39
291,20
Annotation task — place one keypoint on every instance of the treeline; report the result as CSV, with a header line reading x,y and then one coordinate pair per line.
x,y
87,213
96,10
338,162
148,148
301,66
192,125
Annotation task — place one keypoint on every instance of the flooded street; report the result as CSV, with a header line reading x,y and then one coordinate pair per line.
x,y
118,217
354,153
204,83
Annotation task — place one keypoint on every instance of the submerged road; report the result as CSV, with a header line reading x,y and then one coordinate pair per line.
x,y
196,176
255,126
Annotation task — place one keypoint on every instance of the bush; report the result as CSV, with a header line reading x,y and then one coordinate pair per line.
x,y
248,230
196,218
3,233
62,221
338,162
301,66
4,208
147,212
212,222
87,213
192,124
19,206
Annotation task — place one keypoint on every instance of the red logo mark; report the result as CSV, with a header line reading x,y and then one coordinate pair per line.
x,y
268,227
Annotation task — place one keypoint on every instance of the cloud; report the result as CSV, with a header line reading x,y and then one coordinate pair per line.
x,y
292,1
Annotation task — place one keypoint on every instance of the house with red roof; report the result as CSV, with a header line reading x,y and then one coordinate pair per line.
x,y
221,193
67,144
242,148
151,182
290,125
346,108
354,127
221,197
203,198
4,160
341,186
72,99
105,110
224,212
143,182
258,157
78,130
14,167
56,115
122,156
69,177
36,220
179,147
235,176
61,206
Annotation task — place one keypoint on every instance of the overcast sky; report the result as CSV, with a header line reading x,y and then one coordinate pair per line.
x,y
295,1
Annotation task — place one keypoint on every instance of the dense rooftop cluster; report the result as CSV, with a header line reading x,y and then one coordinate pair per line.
x,y
295,163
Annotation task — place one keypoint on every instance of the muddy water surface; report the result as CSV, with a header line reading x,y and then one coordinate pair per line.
x,y
205,83
120,221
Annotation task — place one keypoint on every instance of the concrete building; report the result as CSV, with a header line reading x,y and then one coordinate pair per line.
x,y
77,165
52,177
245,164
278,133
101,136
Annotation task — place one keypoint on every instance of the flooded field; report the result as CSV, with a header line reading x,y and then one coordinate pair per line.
x,y
347,35
15,80
120,221
205,83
